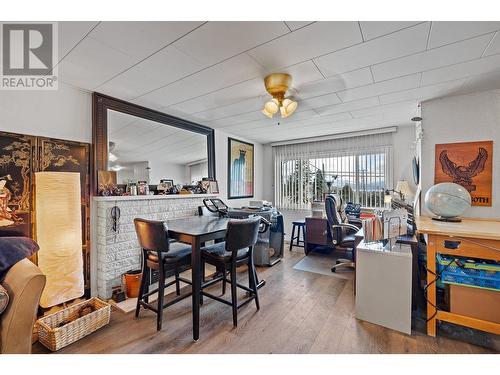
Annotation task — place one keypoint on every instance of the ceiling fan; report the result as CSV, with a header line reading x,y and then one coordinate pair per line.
x,y
277,85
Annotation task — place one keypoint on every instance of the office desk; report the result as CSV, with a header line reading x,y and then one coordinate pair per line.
x,y
475,239
407,240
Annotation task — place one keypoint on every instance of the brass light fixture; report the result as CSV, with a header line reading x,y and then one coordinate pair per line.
x,y
277,84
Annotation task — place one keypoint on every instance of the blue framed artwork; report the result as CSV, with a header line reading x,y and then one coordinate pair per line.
x,y
240,172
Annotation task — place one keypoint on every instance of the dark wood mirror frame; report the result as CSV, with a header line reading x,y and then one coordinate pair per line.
x,y
101,103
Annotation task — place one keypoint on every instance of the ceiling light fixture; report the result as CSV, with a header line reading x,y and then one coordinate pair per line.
x,y
277,84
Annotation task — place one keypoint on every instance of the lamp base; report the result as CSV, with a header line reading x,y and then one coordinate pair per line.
x,y
447,219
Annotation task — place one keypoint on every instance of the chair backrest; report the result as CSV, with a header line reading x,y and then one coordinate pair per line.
x,y
333,208
242,233
152,235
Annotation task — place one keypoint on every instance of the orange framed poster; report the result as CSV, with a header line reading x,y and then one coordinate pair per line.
x,y
469,164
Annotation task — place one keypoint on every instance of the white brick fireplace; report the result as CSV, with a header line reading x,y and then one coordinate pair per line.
x,y
114,253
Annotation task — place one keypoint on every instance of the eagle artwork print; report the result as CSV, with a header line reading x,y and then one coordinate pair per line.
x,y
468,164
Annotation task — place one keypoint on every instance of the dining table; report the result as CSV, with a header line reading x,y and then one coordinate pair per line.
x,y
196,230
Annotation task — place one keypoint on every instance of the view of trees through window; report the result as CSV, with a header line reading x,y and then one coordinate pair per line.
x,y
358,178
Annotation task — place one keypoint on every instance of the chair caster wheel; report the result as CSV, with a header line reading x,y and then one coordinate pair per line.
x,y
333,269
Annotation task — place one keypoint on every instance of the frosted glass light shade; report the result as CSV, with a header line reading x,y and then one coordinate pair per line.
x,y
59,235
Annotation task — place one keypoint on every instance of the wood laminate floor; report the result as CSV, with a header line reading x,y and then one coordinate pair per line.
x,y
301,312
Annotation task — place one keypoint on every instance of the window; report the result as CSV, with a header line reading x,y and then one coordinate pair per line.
x,y
311,172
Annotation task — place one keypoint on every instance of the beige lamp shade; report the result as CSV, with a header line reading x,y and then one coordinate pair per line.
x,y
59,235
404,188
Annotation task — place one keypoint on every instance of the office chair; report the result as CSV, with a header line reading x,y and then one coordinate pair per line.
x,y
341,229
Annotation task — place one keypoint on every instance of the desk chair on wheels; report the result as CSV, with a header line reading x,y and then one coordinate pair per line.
x,y
342,230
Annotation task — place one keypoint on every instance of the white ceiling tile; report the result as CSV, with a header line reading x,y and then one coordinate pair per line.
x,y
380,88
91,63
70,33
349,106
374,29
482,82
336,83
251,104
462,70
435,58
230,72
294,25
224,97
306,43
423,93
321,101
399,44
216,41
494,46
162,68
408,107
238,119
302,73
444,32
140,39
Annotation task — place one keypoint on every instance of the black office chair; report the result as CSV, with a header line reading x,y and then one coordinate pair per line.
x,y
341,230
235,251
165,257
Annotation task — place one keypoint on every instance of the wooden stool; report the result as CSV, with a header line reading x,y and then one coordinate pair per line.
x,y
299,224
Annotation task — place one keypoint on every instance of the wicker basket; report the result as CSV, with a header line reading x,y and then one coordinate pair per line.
x,y
55,336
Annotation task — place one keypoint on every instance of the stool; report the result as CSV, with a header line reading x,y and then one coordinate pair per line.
x,y
299,224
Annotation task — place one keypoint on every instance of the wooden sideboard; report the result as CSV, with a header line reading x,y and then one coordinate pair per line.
x,y
316,233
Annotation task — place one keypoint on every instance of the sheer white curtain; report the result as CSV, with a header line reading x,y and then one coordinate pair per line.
x,y
357,167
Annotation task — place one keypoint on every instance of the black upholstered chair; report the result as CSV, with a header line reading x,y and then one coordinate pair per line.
x,y
341,230
159,254
235,251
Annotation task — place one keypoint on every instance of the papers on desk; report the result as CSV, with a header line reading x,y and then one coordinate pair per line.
x,y
390,224
394,223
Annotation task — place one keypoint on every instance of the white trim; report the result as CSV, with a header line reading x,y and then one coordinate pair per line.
x,y
391,129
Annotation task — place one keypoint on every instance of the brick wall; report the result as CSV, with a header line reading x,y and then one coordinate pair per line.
x,y
120,252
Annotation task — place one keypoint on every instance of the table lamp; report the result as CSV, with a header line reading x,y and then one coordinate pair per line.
x,y
403,188
59,235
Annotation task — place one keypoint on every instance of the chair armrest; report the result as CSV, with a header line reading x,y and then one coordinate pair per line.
x,y
356,222
348,226
24,282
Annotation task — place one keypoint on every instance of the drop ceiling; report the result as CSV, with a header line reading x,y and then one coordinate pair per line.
x,y
347,76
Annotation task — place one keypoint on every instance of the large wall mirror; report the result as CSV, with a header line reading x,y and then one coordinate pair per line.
x,y
140,144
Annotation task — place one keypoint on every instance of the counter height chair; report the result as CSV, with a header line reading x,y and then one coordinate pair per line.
x,y
235,251
159,254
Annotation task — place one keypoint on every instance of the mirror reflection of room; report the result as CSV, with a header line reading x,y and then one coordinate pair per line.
x,y
150,153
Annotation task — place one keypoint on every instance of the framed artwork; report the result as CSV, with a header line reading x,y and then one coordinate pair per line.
x,y
240,172
469,164
17,166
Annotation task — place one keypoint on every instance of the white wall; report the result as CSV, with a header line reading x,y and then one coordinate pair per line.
x,y
65,113
221,139
463,118
160,170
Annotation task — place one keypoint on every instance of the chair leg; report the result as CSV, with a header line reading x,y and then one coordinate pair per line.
x,y
234,297
297,243
145,270
161,295
223,280
252,278
202,265
291,238
177,282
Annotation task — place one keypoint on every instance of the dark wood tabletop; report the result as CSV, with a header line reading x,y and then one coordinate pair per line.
x,y
197,225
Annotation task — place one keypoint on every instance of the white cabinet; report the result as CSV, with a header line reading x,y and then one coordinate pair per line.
x,y
383,285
